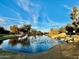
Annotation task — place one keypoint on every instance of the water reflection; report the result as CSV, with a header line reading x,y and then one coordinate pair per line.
x,y
14,42
40,44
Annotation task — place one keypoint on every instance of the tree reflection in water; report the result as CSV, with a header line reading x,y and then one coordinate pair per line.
x,y
25,32
24,42
13,42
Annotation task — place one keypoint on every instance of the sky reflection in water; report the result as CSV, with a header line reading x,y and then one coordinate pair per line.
x,y
39,44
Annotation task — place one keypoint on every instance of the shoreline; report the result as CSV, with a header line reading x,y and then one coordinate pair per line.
x,y
65,37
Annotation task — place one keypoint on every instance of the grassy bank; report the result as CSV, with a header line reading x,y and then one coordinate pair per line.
x,y
6,52
5,36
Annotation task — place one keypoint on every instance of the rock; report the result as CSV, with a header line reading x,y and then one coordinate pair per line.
x,y
62,35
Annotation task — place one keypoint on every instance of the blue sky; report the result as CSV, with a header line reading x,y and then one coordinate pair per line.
x,y
42,14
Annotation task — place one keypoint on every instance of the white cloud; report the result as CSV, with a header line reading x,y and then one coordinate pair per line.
x,y
18,20
15,19
54,24
48,24
67,7
2,20
32,8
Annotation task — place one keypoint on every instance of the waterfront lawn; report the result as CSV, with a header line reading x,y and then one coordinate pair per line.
x,y
6,36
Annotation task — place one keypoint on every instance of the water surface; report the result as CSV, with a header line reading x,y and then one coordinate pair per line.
x,y
39,44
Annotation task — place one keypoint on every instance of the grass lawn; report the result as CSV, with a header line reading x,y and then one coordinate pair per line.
x,y
6,52
5,36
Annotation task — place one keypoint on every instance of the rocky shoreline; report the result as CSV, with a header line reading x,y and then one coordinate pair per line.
x,y
65,37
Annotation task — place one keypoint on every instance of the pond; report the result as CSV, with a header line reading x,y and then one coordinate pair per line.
x,y
37,45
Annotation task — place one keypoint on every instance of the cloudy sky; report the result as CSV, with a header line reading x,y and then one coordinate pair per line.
x,y
42,14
